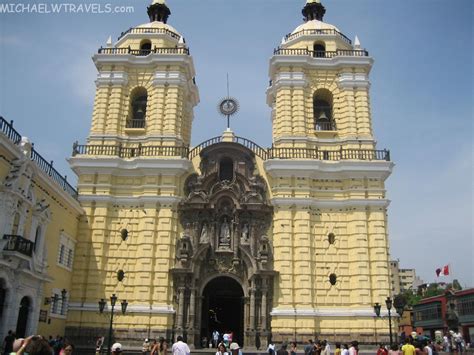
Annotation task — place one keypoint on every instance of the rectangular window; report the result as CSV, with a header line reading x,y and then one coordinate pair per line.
x,y
59,304
66,252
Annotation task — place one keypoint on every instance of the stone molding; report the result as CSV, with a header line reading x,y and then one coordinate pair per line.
x,y
328,169
111,78
318,203
311,63
165,200
353,80
140,308
136,167
328,312
176,78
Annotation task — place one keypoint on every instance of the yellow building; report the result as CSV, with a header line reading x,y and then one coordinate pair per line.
x,y
39,214
287,243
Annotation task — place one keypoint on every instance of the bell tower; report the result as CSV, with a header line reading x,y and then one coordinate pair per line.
x,y
327,182
130,177
319,89
146,89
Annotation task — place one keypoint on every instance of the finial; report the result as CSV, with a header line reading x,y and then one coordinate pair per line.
x,y
283,40
158,11
356,42
109,42
313,10
181,42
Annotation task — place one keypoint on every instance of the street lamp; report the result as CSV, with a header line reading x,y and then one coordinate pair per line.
x,y
377,307
113,301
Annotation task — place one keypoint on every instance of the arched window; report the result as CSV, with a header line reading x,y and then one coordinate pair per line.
x,y
319,50
323,113
138,103
145,47
226,169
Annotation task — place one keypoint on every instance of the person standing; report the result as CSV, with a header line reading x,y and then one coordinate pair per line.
x,y
271,348
215,338
163,347
382,350
345,350
308,348
221,350
293,349
8,343
354,349
282,350
180,347
408,348
146,347
117,349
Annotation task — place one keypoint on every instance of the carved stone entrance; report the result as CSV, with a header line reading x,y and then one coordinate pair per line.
x,y
223,308
225,218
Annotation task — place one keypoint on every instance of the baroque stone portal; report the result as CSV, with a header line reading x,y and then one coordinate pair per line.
x,y
225,218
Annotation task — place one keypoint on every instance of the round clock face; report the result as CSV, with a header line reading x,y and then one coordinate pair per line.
x,y
228,106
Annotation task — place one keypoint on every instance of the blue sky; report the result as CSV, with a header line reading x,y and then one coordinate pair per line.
x,y
421,95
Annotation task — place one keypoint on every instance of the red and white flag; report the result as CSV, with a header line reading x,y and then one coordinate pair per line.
x,y
442,271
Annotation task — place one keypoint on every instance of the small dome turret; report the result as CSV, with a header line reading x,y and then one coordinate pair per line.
x,y
313,10
158,11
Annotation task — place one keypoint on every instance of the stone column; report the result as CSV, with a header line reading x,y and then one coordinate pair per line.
x,y
198,319
180,311
250,338
264,310
252,309
191,318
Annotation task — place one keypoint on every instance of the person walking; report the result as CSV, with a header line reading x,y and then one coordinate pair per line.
x,y
180,347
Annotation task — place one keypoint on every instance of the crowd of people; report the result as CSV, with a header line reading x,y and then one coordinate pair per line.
x,y
413,344
36,345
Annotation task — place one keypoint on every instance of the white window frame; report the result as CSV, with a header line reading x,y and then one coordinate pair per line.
x,y
66,249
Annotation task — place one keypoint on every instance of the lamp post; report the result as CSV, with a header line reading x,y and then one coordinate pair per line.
x,y
377,307
113,301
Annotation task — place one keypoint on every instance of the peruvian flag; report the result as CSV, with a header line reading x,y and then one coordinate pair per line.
x,y
442,270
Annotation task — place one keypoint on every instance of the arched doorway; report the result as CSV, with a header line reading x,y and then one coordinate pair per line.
x,y
223,308
23,317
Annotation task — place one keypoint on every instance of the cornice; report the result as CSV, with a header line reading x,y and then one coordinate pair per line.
x,y
133,167
341,169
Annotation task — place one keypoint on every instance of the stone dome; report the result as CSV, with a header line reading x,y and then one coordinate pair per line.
x,y
315,25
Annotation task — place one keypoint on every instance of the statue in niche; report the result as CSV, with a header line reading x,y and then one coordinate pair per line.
x,y
204,238
245,233
224,235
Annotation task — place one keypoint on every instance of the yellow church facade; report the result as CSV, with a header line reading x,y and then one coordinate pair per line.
x,y
282,243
